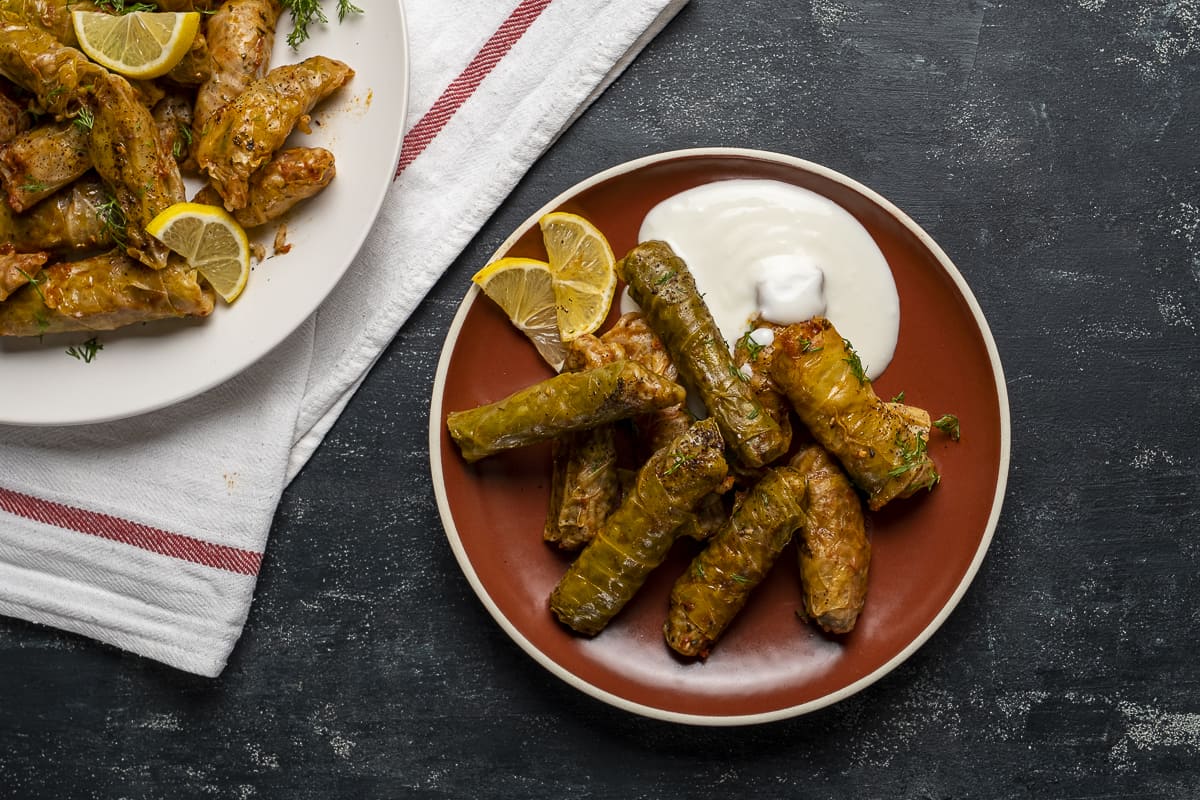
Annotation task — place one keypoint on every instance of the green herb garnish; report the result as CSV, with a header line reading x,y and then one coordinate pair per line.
x,y
899,398
113,218
948,424
84,118
184,139
34,282
856,366
119,7
806,345
912,455
306,12
34,186
679,461
753,348
85,352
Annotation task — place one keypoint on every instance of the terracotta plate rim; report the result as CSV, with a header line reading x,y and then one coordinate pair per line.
x,y
460,553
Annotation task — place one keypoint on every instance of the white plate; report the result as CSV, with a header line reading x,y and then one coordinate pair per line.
x,y
147,367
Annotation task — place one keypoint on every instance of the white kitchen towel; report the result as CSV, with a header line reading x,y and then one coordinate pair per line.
x,y
148,533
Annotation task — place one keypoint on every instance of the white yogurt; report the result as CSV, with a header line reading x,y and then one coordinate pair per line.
x,y
761,247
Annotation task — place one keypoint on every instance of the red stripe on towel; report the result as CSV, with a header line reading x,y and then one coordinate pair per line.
x,y
175,545
462,87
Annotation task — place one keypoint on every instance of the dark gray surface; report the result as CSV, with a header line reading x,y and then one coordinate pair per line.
x,y
1050,148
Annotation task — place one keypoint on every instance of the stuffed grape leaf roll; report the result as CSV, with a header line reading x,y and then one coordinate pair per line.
x,y
664,288
716,586
568,402
637,536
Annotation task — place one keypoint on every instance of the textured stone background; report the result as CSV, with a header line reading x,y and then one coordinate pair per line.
x,y
1050,147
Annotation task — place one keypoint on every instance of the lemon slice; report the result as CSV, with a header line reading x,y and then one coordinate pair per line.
x,y
210,240
584,271
524,288
140,44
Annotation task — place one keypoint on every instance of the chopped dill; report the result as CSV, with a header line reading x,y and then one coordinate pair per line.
x,y
948,424
899,398
666,277
911,455
806,345
184,139
119,7
753,348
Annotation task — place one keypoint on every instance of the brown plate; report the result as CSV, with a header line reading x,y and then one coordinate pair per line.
x,y
769,665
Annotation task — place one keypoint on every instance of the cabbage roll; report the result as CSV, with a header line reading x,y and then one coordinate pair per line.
x,y
638,535
244,134
102,293
239,37
39,162
881,450
834,551
707,597
568,402
293,175
58,76
74,220
660,283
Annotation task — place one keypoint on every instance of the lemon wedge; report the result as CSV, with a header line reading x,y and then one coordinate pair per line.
x,y
584,271
524,288
210,240
140,44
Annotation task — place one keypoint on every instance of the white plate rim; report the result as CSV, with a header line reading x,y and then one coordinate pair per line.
x,y
460,554
399,60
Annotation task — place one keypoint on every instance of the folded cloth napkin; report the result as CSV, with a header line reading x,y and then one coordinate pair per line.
x,y
148,533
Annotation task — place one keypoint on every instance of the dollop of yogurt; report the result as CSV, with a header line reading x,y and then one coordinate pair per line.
x,y
770,249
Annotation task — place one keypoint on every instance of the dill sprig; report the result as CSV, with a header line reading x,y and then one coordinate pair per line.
x,y
35,283
84,118
113,218
85,352
306,12
899,398
33,186
678,461
856,365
